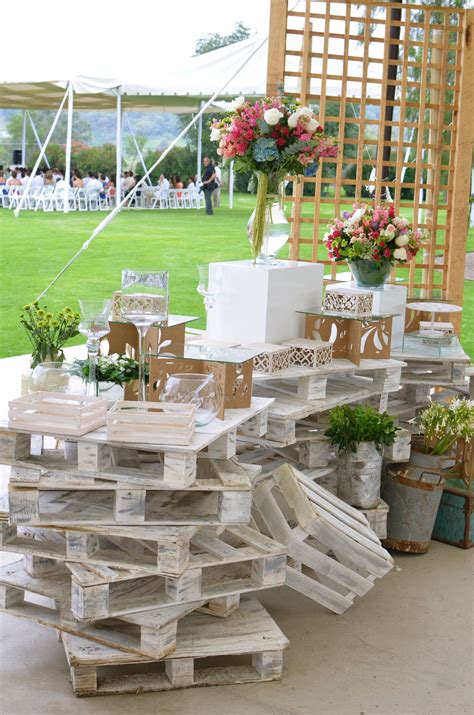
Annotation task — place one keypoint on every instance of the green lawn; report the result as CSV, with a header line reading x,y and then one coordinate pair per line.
x,y
35,246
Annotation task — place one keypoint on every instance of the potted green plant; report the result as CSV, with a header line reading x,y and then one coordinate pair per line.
x,y
413,491
360,433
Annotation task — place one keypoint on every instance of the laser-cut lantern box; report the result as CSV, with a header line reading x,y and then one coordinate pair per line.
x,y
309,353
270,358
352,336
348,300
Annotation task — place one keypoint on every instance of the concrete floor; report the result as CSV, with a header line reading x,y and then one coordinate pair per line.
x,y
406,648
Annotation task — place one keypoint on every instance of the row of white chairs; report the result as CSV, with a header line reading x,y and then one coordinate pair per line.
x,y
51,198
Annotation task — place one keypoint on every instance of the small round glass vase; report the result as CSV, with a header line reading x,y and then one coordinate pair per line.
x,y
276,232
58,377
195,389
370,274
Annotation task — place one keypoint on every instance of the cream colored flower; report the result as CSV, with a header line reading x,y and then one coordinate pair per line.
x,y
311,125
215,134
293,119
400,254
272,116
238,102
402,240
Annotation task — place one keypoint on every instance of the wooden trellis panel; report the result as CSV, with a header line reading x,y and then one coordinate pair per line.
x,y
393,82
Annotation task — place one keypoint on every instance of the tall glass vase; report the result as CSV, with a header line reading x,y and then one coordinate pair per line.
x,y
268,229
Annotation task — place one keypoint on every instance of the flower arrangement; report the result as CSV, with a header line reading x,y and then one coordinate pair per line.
x,y
48,333
443,425
349,426
115,368
274,137
372,233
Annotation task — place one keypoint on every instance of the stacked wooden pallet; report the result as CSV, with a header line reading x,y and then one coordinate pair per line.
x,y
142,552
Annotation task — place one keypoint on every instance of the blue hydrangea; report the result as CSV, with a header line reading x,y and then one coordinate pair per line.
x,y
265,149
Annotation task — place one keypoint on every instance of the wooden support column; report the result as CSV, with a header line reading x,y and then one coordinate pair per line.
x,y
459,216
276,46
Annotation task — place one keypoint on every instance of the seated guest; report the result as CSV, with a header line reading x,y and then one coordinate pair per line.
x,y
37,183
57,175
48,178
94,184
14,180
87,178
77,180
164,183
2,178
191,184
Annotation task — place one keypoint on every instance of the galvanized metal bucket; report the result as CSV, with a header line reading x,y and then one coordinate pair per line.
x,y
413,492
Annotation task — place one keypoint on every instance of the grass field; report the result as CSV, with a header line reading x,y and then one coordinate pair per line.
x,y
35,247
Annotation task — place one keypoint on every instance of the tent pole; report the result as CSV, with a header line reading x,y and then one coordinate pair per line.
x,y
231,185
199,144
23,139
118,144
105,222
138,150
67,173
40,146
40,156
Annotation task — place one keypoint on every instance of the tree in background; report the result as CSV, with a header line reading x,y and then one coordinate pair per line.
x,y
214,40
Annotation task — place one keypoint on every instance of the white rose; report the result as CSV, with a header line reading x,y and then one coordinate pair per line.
x,y
293,119
400,254
215,134
272,116
310,125
306,112
401,240
390,229
238,102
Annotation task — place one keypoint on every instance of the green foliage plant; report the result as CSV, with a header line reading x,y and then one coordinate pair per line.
x,y
349,426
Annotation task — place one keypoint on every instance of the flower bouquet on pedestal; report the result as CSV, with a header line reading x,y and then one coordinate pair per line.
x,y
372,240
272,137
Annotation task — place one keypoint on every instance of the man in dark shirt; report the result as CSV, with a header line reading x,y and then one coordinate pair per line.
x,y
208,183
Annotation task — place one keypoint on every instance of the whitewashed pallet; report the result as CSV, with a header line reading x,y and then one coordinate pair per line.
x,y
443,371
95,453
152,633
251,632
156,549
334,556
166,551
103,592
124,505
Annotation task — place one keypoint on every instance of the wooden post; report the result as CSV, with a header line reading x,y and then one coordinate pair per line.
x,y
276,46
456,258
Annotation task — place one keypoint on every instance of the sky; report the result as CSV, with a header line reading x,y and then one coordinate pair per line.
x,y
155,30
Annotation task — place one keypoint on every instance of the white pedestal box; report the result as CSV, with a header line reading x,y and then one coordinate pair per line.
x,y
258,304
392,299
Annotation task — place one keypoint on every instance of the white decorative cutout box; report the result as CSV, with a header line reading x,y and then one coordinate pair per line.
x,y
273,358
443,328
348,300
259,304
309,353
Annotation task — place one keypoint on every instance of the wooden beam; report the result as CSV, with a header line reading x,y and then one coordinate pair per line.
x,y
276,46
462,173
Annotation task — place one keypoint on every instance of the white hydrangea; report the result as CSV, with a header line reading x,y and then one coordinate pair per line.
x,y
402,240
400,254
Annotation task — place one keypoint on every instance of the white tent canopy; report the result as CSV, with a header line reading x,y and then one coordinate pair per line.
x,y
180,88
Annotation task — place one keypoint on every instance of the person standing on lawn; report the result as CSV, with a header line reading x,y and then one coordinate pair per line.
x,y
208,184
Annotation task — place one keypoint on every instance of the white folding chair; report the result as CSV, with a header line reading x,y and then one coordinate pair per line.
x,y
5,195
81,199
44,199
93,199
14,195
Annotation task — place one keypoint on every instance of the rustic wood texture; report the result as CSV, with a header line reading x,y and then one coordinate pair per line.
x,y
152,633
336,56
250,632
166,423
43,411
333,555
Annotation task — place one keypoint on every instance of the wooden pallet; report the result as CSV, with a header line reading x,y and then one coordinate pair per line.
x,y
344,384
250,632
166,551
127,506
103,592
177,466
334,556
152,633
445,371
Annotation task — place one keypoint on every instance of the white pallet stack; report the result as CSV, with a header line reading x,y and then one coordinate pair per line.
x,y
143,551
